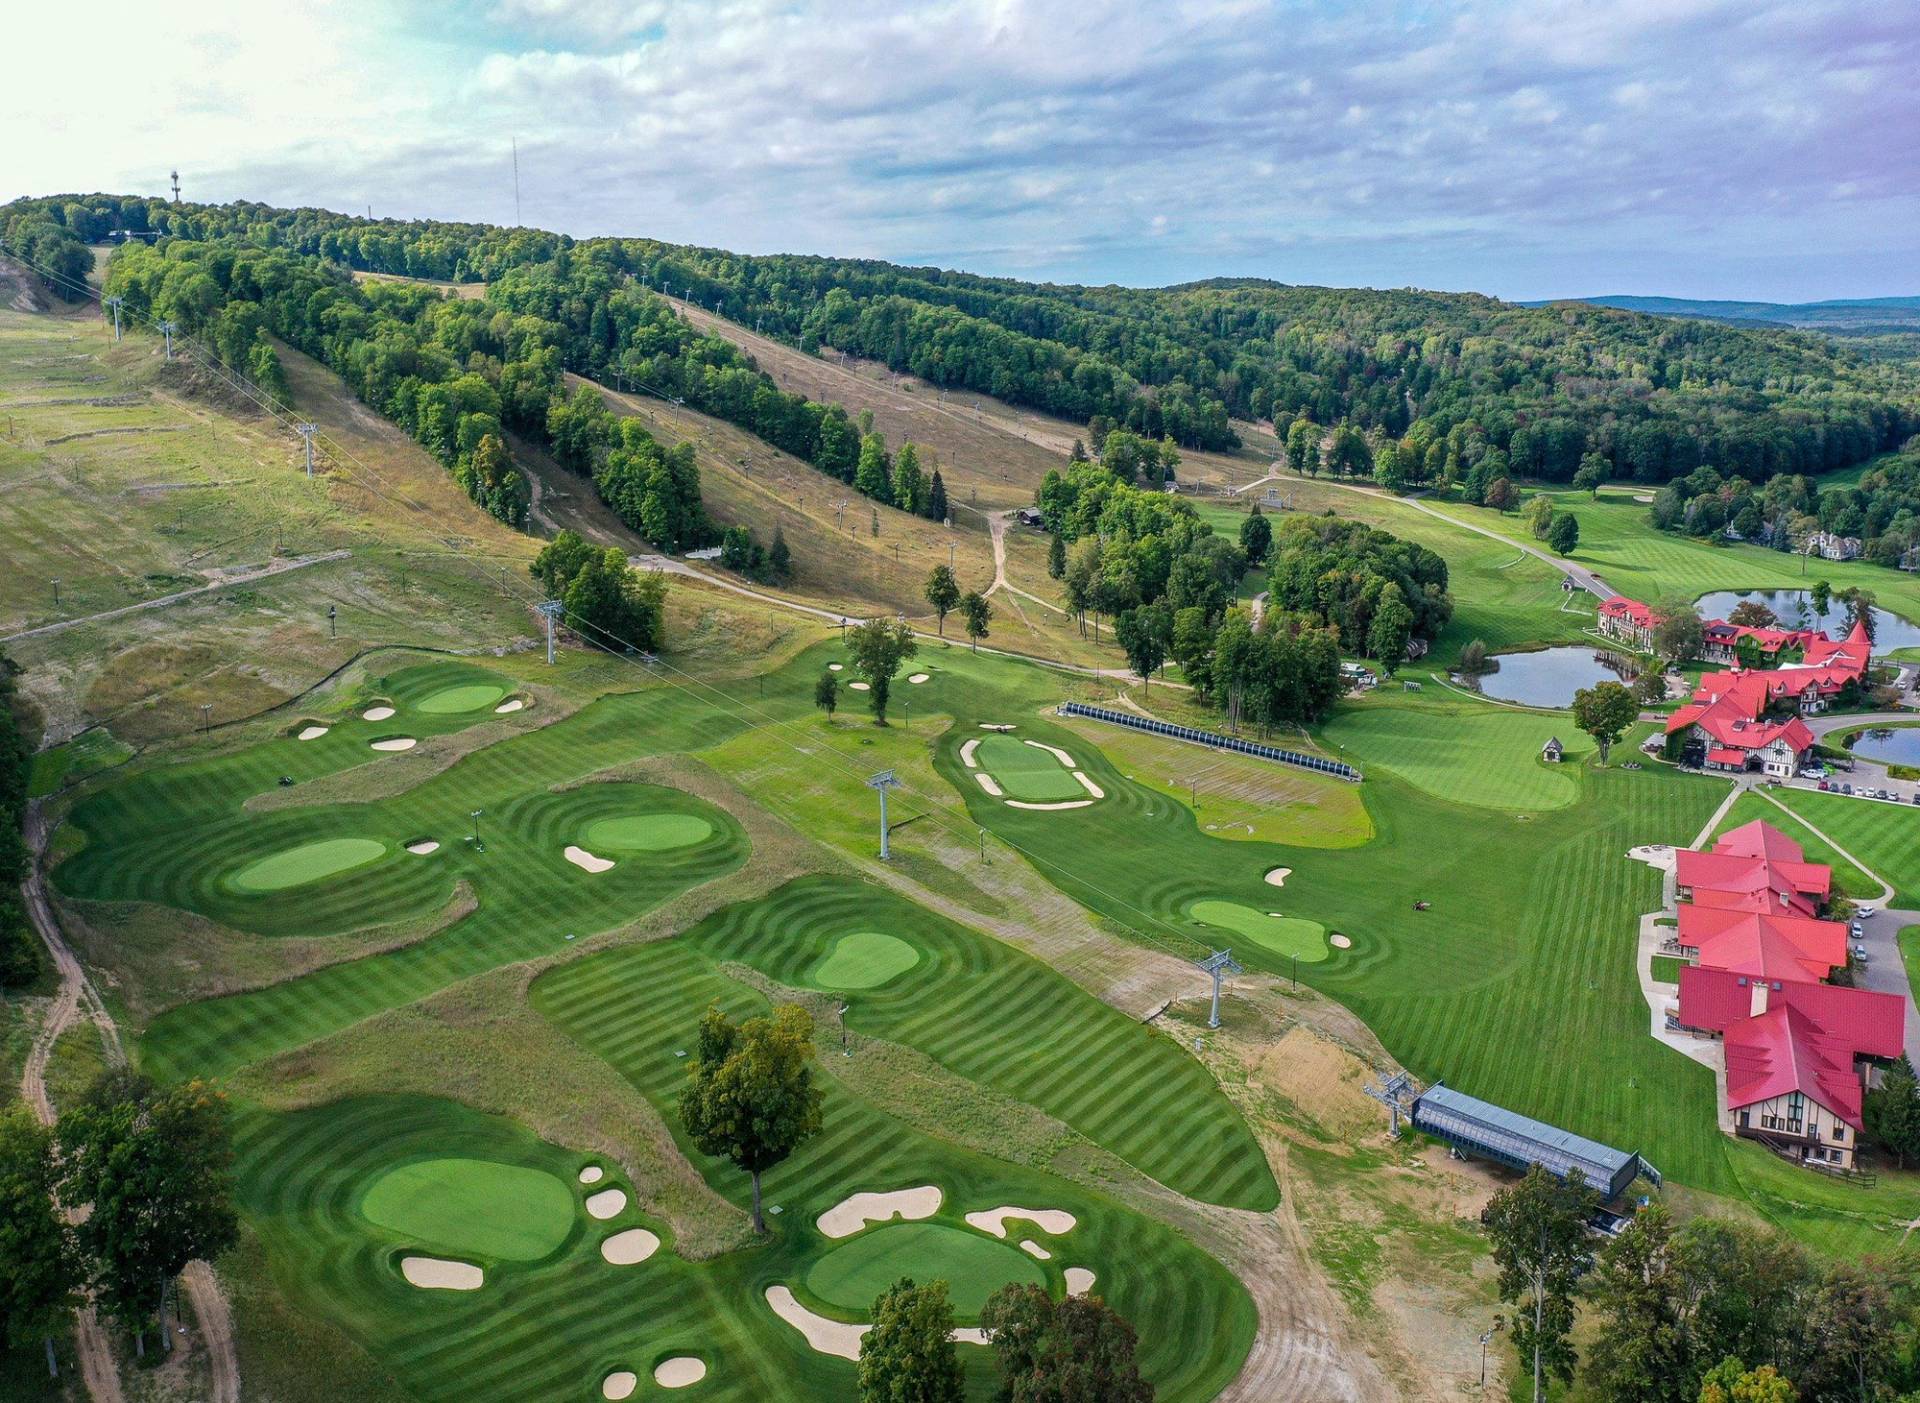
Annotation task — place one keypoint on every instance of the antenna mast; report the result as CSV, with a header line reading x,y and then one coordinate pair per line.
x,y
176,187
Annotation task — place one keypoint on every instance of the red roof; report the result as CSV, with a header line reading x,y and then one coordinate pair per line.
x,y
1759,839
1751,876
1715,999
1621,607
1782,1051
1725,937
1725,755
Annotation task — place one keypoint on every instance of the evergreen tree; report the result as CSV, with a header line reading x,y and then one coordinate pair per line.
x,y
779,558
1057,556
873,476
909,483
1892,1112
937,508
1256,536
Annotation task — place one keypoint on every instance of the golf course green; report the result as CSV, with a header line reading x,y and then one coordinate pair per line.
x,y
468,696
1027,772
473,1207
307,863
864,959
1286,936
973,1265
646,833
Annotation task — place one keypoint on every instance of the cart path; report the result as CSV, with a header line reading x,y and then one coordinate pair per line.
x,y
240,577
997,528
77,999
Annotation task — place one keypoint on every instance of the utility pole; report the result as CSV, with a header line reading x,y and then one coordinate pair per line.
x,y
115,303
306,432
1218,964
550,609
478,846
56,591
333,621
167,329
883,782
206,716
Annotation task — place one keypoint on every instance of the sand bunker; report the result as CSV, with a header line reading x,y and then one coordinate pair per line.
x,y
850,1215
994,726
619,1384
397,743
1055,751
580,857
859,686
1034,1249
1068,804
508,707
918,678
1048,1220
624,1249
313,733
592,1174
1079,1281
966,753
833,667
606,1203
437,1274
679,1371
1278,877
989,783
826,1336
423,847
1339,941
1095,790
376,713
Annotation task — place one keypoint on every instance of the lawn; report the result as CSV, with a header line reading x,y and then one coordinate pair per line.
x,y
1666,969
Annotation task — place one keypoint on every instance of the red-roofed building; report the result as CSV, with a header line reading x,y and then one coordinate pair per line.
x,y
1721,642
1628,620
1722,727
1794,1044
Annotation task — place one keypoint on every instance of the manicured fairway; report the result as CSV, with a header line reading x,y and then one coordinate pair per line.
x,y
972,1264
976,1006
1286,936
864,959
309,862
1027,772
1465,752
474,1207
635,833
450,701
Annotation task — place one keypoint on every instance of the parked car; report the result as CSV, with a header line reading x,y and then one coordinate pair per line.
x,y
1846,789
1865,913
1859,954
1825,785
1813,772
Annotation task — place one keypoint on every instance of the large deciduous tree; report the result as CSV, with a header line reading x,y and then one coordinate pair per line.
x,y
908,1355
154,1168
879,647
1539,1232
1074,1351
942,592
1604,711
39,1264
750,1095
976,612
1678,633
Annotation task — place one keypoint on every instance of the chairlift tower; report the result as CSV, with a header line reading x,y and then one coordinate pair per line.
x,y
883,782
1219,964
116,302
550,609
1397,1094
167,329
306,432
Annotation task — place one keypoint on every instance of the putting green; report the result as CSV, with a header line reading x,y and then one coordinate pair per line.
x,y
864,959
467,696
473,1207
1283,935
973,1266
307,863
646,833
1026,772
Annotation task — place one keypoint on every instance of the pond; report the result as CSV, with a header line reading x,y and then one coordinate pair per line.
x,y
1794,608
1892,745
1550,676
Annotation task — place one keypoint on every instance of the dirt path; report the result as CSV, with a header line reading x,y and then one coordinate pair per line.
x,y
997,527
77,999
240,577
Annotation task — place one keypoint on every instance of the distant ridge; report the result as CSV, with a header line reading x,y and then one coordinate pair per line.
x,y
1854,314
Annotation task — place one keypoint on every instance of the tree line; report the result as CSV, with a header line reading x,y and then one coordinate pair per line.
x,y
1709,1310
20,959
147,1172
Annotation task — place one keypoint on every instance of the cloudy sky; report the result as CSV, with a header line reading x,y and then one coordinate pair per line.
x,y
1723,148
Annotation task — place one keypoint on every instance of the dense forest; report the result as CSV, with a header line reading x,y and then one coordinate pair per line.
x,y
1881,510
1546,387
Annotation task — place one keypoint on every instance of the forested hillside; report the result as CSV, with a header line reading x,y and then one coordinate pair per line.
x,y
1545,387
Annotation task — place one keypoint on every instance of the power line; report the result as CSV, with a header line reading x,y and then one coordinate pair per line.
x,y
697,688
